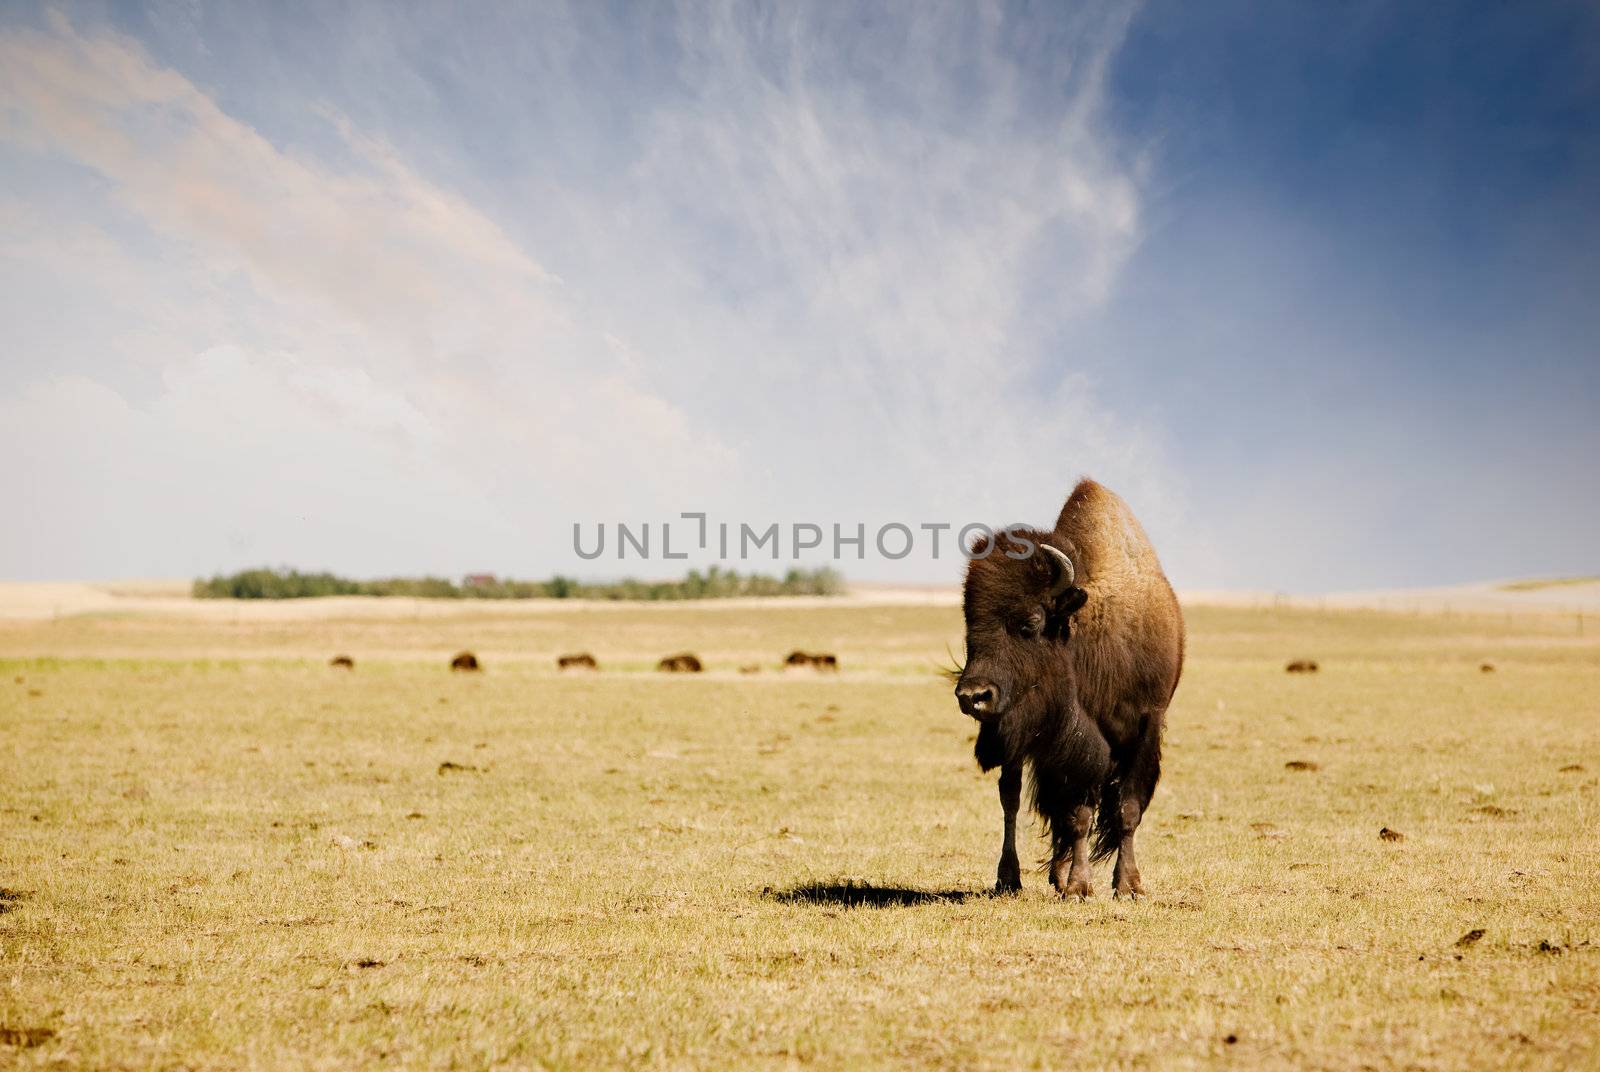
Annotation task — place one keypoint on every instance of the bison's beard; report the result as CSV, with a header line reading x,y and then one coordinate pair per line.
x,y
990,751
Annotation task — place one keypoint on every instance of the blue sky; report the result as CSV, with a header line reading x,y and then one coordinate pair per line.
x,y
382,290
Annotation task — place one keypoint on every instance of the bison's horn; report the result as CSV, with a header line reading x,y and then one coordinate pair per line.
x,y
1065,574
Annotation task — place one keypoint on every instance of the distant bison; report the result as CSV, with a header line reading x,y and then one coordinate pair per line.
x,y
581,661
819,661
465,661
342,662
1487,668
682,663
1302,666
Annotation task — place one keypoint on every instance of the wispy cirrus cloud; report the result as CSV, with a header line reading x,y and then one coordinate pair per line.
x,y
816,280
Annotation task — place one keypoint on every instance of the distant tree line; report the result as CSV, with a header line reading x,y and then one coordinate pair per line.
x,y
715,583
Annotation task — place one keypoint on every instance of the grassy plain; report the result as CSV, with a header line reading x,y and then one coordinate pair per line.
x,y
216,852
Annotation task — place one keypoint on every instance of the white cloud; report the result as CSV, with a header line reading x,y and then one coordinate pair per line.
x,y
808,292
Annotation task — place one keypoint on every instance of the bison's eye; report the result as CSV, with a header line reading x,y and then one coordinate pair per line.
x,y
1031,626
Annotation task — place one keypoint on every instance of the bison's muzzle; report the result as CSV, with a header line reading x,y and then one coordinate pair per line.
x,y
978,698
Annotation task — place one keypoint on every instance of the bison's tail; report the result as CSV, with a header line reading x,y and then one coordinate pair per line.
x,y
1108,822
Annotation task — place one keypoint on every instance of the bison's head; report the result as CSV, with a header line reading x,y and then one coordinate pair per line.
x,y
1019,600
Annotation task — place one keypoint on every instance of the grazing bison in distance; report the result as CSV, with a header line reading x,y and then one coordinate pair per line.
x,y
465,661
1074,648
799,660
682,663
1302,666
342,662
581,661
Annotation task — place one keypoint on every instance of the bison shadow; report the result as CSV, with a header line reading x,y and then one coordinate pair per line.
x,y
867,895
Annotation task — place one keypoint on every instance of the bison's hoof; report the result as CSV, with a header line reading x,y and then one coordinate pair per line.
x,y
1079,888
1008,878
1131,895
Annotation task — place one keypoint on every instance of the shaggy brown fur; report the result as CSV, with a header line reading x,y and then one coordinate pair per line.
x,y
1072,680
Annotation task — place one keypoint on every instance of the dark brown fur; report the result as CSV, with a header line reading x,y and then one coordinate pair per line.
x,y
682,663
1079,686
465,661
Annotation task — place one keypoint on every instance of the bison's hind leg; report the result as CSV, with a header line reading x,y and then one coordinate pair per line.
x,y
1125,880
1135,784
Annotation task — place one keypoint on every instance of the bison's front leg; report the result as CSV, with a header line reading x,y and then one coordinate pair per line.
x,y
1069,871
1008,878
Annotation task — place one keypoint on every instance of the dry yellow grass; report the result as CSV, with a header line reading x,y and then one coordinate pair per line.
x,y
219,853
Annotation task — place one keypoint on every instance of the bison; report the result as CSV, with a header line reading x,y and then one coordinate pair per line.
x,y
342,662
682,663
581,661
800,660
1302,666
465,661
1074,649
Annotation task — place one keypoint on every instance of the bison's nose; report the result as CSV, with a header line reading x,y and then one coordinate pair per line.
x,y
977,698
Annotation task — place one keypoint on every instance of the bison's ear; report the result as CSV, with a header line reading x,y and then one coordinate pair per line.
x,y
1058,623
